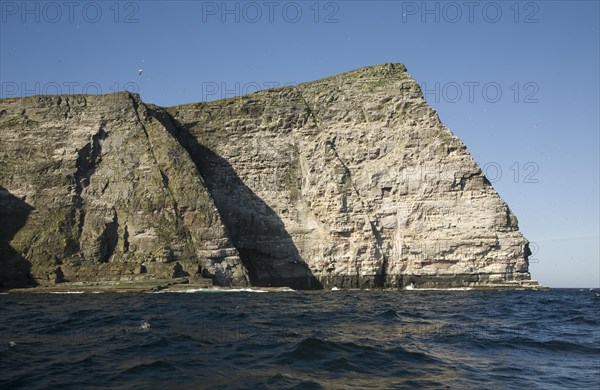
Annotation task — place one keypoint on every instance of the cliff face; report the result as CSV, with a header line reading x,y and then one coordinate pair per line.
x,y
349,181
113,195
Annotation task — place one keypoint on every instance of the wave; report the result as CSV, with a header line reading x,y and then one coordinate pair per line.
x,y
316,349
390,314
520,343
559,345
151,366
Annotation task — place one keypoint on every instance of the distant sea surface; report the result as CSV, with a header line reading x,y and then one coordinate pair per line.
x,y
302,340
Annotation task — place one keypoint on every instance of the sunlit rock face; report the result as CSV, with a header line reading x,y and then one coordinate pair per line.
x,y
349,181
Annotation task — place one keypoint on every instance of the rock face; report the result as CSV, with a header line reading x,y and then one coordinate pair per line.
x,y
111,192
349,181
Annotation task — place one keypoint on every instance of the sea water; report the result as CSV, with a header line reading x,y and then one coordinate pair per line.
x,y
302,340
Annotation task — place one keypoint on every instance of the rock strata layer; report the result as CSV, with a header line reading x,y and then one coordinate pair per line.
x,y
350,181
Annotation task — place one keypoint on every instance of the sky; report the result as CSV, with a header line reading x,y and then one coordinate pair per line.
x,y
517,81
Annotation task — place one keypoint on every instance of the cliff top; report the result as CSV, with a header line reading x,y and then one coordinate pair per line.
x,y
380,71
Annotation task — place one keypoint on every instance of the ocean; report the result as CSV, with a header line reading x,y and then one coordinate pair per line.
x,y
302,340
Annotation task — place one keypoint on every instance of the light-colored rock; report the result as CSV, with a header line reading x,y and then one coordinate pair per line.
x,y
355,176
349,181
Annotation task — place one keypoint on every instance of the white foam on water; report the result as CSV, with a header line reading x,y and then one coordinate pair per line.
x,y
78,292
67,292
231,290
285,289
413,288
212,290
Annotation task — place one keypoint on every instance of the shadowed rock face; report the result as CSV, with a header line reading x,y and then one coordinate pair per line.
x,y
14,269
349,181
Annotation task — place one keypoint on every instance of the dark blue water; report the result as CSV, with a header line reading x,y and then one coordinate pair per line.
x,y
302,340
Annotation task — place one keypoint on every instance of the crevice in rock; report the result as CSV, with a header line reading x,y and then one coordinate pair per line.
x,y
311,111
87,162
109,239
465,179
381,278
125,239
168,124
165,180
163,176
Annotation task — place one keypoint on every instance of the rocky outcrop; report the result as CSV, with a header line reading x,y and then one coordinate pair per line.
x,y
349,181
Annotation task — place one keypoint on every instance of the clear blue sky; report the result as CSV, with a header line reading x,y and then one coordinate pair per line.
x,y
547,51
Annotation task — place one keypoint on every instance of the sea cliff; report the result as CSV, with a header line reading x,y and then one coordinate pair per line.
x,y
350,181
